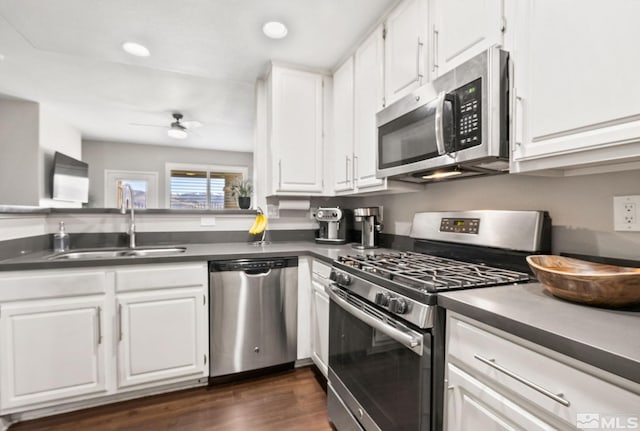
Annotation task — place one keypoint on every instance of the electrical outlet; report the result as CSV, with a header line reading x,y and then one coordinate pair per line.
x,y
207,221
625,213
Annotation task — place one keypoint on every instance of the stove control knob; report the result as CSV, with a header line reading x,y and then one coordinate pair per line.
x,y
382,299
333,276
397,305
320,214
343,279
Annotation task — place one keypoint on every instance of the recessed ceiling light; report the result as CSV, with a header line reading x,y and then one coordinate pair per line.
x,y
136,49
275,30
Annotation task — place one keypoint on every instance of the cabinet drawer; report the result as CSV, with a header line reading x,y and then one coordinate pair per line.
x,y
516,369
320,269
24,285
161,277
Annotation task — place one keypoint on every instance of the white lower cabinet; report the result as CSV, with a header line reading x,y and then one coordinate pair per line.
x,y
497,381
320,327
52,349
473,405
320,316
160,336
69,336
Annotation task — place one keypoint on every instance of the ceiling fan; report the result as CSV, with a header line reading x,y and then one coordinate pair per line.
x,y
178,129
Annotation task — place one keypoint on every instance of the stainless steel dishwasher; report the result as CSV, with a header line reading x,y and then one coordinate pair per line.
x,y
253,306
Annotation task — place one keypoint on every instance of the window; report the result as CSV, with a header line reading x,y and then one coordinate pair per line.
x,y
202,187
143,185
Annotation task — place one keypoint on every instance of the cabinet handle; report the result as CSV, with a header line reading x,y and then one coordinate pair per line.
x,y
355,170
99,316
279,174
418,51
119,322
555,397
434,65
346,169
518,120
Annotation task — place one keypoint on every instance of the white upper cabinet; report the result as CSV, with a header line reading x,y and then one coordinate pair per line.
x,y
462,29
296,132
368,92
343,127
405,62
576,96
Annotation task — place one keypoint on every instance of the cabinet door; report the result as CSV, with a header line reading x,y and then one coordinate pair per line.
x,y
405,49
471,405
52,350
462,29
576,90
297,132
162,335
343,127
320,327
368,100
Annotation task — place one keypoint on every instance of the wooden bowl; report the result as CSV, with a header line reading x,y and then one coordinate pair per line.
x,y
587,282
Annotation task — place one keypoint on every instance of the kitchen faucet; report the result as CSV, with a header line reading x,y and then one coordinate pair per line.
x,y
132,219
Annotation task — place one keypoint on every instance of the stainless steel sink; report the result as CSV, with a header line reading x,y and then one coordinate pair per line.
x,y
117,252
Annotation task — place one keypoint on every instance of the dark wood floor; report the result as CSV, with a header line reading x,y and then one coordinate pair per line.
x,y
289,400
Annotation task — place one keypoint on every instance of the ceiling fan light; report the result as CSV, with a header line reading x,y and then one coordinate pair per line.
x,y
136,49
177,133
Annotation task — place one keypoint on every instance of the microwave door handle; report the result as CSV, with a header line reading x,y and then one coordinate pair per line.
x,y
440,100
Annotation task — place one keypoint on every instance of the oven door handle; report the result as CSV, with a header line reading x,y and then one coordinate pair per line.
x,y
408,338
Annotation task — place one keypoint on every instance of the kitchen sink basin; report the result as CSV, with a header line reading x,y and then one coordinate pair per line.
x,y
117,252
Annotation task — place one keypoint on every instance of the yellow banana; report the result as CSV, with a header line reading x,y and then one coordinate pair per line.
x,y
259,225
262,225
256,222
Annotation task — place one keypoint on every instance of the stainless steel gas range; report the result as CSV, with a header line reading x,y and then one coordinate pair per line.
x,y
386,332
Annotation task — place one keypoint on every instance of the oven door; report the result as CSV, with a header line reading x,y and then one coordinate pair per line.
x,y
379,368
415,132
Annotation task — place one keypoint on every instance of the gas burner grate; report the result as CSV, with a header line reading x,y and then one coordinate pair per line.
x,y
430,273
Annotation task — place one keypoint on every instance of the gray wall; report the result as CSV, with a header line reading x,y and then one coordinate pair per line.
x,y
581,207
19,156
101,155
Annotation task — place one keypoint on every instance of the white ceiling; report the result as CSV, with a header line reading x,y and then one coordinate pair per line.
x,y
205,58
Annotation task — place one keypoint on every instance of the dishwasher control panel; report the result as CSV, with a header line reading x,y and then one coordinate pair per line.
x,y
252,264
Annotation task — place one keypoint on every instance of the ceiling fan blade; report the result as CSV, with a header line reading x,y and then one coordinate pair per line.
x,y
193,124
147,125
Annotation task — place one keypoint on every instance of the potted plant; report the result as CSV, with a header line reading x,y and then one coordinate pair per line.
x,y
242,190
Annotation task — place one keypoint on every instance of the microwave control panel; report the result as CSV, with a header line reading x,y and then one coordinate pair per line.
x,y
460,225
469,114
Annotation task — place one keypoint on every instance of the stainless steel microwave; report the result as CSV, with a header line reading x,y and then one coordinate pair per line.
x,y
455,126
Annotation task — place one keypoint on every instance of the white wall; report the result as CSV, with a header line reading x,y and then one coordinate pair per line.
x,y
101,155
55,135
19,174
581,207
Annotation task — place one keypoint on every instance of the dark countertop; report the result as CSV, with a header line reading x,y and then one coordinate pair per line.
x,y
201,252
605,338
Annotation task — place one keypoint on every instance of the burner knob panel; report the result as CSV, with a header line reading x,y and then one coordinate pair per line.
x,y
343,279
397,305
382,299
